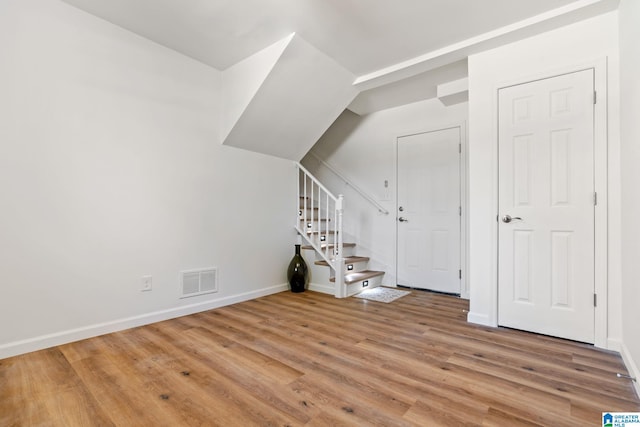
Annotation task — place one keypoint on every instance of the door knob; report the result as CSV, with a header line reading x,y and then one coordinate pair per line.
x,y
401,219
508,218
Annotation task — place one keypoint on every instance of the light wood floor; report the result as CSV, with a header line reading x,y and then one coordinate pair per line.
x,y
310,359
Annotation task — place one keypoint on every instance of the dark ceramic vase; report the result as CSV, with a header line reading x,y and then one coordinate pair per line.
x,y
297,273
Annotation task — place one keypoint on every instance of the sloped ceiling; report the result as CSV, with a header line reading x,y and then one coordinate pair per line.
x,y
301,95
373,39
361,35
375,54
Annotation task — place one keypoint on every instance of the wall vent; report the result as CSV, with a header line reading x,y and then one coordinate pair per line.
x,y
198,282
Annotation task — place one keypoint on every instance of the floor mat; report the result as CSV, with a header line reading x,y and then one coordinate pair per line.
x,y
382,294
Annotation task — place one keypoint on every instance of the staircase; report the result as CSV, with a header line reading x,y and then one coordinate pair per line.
x,y
333,264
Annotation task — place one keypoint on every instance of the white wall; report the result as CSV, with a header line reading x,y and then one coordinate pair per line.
x,y
110,169
629,15
363,149
582,44
241,81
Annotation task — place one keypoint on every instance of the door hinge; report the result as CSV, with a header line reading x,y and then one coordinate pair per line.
x,y
460,274
595,198
459,210
595,300
595,97
459,148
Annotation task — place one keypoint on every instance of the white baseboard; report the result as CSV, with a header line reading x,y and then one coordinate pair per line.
x,y
325,289
614,344
45,341
631,367
480,319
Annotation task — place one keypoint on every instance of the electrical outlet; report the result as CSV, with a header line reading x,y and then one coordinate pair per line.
x,y
146,283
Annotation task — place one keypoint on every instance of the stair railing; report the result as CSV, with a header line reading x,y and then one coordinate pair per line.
x,y
319,222
350,183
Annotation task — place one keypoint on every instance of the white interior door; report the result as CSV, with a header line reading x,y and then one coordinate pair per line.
x,y
546,187
429,210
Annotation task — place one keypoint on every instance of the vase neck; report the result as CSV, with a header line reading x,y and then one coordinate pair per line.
x,y
297,249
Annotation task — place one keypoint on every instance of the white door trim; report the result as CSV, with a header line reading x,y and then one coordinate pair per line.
x,y
464,200
601,185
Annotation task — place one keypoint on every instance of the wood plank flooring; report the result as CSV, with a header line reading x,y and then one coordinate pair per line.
x,y
312,360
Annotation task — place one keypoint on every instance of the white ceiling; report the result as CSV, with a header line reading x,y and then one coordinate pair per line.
x,y
366,37
361,35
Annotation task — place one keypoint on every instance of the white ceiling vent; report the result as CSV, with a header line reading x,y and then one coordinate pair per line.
x,y
198,282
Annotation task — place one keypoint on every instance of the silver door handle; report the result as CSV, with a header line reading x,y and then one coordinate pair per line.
x,y
401,219
508,218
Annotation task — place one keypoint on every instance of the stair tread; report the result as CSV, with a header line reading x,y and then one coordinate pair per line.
x,y
324,245
321,231
347,260
360,275
315,219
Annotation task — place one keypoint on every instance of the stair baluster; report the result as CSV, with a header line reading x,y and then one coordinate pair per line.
x,y
311,216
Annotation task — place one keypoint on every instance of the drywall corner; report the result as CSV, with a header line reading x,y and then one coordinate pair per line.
x,y
300,98
241,82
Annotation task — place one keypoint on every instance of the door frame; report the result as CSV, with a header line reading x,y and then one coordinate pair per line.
x,y
464,246
601,161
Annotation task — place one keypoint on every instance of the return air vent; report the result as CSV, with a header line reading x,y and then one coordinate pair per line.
x,y
198,282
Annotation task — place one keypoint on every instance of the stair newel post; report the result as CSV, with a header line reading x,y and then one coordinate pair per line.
x,y
340,291
299,200
304,202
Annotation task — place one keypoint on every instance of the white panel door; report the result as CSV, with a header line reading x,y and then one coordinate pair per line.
x,y
546,187
428,211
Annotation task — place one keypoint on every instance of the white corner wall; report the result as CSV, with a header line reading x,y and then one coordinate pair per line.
x,y
363,149
111,169
241,82
303,93
582,44
629,16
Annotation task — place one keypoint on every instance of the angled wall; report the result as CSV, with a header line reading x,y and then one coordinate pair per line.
x,y
241,82
302,95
